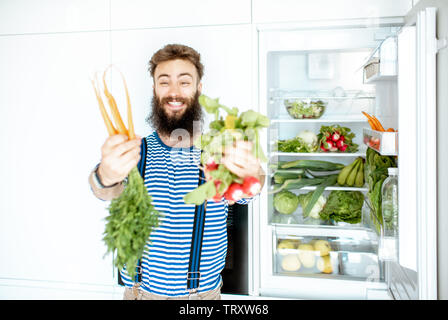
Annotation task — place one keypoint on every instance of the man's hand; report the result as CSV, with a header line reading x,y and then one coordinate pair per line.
x,y
240,161
118,156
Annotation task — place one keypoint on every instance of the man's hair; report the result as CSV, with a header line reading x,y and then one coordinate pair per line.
x,y
173,52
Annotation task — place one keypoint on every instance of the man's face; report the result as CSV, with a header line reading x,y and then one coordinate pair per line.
x,y
176,90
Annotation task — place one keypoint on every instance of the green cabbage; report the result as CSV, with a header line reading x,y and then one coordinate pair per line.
x,y
286,202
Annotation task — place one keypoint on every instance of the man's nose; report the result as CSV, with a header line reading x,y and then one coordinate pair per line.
x,y
174,91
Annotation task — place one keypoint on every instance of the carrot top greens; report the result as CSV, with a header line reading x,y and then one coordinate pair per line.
x,y
132,217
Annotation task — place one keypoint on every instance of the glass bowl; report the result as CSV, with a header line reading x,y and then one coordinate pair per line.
x,y
305,108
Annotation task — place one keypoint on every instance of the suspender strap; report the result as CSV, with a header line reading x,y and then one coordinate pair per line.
x,y
193,274
142,163
141,166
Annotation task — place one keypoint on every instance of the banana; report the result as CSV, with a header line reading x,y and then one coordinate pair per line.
x,y
352,176
359,180
342,177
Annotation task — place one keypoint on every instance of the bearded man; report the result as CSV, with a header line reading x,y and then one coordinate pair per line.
x,y
171,171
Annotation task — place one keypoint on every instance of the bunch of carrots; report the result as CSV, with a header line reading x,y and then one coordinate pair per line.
x,y
121,129
132,216
375,124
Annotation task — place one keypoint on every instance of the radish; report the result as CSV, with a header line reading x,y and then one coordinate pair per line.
x,y
251,186
323,148
234,192
342,138
335,136
340,143
328,144
343,148
217,184
211,164
217,197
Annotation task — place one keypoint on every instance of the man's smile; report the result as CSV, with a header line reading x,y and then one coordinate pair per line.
x,y
175,105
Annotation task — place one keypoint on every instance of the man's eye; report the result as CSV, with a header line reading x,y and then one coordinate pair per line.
x,y
185,83
163,83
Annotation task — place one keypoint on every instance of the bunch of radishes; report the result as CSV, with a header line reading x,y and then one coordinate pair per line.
x,y
224,132
336,139
248,187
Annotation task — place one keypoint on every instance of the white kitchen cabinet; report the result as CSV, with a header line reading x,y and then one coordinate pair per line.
x,y
51,131
225,52
131,14
266,11
43,16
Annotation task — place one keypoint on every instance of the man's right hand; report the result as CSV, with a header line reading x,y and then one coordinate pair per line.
x,y
118,156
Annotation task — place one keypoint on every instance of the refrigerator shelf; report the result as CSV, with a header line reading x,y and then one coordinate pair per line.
x,y
323,119
386,143
357,231
360,153
298,97
364,188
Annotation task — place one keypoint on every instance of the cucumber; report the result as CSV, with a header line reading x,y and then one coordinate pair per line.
x,y
316,165
296,184
281,176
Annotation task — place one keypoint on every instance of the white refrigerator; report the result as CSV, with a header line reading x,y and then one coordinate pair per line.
x,y
387,68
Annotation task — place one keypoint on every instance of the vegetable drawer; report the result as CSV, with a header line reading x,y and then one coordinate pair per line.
x,y
327,257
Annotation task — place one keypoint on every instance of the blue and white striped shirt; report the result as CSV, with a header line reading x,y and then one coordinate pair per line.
x,y
169,175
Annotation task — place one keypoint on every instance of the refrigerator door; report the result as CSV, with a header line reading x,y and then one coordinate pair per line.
x,y
414,276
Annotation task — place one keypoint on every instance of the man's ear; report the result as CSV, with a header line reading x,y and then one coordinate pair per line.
x,y
200,87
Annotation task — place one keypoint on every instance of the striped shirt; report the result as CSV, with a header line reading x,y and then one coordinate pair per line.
x,y
169,175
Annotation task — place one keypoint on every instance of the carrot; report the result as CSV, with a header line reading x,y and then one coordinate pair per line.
x,y
378,123
370,120
390,130
131,132
113,107
110,127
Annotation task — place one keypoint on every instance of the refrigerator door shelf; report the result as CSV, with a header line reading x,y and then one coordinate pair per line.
x,y
386,143
383,64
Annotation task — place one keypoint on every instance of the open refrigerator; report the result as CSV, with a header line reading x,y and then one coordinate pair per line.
x,y
386,68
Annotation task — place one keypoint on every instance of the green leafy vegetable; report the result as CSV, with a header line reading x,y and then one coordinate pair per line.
x,y
343,206
131,220
376,172
306,141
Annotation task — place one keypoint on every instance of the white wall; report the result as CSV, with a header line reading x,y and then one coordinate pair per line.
x,y
51,131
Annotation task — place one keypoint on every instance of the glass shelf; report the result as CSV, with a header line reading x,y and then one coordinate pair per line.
x,y
360,153
323,119
337,93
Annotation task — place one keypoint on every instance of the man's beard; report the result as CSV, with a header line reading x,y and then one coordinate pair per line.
x,y
165,124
